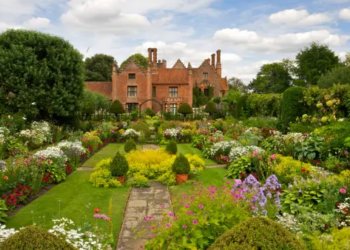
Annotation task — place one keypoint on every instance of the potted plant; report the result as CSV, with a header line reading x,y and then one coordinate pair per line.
x,y
181,167
119,167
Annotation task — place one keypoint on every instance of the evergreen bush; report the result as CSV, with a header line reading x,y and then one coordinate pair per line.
x,y
119,165
142,126
117,108
181,165
292,106
171,148
33,238
211,108
257,233
150,112
129,145
185,109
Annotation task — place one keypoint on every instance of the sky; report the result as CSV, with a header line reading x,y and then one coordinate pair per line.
x,y
249,33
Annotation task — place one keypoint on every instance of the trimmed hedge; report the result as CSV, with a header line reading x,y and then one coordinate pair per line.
x,y
291,107
117,108
142,126
185,109
129,145
171,148
211,108
181,165
34,238
119,165
258,233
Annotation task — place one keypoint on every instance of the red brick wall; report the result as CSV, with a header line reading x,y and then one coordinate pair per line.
x,y
213,77
163,95
104,88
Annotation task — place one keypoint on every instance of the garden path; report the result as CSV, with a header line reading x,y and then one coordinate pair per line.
x,y
216,166
142,203
150,146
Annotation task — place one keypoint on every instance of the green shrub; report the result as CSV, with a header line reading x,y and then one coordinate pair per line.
x,y
142,126
119,165
129,145
257,233
3,208
240,111
337,75
181,165
103,178
171,148
139,181
185,109
291,106
211,108
150,112
263,105
116,108
33,238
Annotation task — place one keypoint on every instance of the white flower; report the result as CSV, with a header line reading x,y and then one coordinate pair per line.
x,y
130,133
172,132
238,152
223,146
33,103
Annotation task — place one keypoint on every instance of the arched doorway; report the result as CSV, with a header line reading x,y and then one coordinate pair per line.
x,y
151,100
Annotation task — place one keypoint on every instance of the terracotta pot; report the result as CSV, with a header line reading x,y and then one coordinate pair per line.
x,y
121,179
181,178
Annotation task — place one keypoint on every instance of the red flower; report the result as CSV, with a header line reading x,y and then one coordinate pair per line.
x,y
96,210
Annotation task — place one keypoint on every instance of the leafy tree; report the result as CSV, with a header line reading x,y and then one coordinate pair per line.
x,y
237,84
211,108
93,101
314,61
347,59
99,68
272,78
231,99
41,75
185,109
117,108
139,60
337,75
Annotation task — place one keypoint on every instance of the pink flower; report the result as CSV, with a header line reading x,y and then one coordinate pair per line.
x,y
162,206
187,206
171,214
201,206
342,191
184,226
273,157
346,153
168,225
195,222
259,157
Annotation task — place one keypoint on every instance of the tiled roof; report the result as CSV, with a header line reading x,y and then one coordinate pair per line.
x,y
224,84
171,76
104,88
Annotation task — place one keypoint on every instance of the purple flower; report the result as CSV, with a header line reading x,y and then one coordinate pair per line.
x,y
195,222
184,226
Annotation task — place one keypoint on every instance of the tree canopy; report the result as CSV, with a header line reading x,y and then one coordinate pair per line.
x,y
237,84
139,60
339,75
185,109
99,68
272,78
41,75
315,61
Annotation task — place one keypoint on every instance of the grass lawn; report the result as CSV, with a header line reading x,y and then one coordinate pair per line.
x,y
208,177
75,199
188,149
108,151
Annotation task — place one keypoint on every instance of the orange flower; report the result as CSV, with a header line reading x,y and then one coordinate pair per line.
x,y
6,177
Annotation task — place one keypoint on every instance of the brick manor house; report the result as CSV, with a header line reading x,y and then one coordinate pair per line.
x,y
160,87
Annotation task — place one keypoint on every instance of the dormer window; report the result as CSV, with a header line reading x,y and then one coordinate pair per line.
x,y
205,75
132,76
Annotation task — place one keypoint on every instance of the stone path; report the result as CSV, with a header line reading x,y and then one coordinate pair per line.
x,y
216,166
143,202
85,168
150,146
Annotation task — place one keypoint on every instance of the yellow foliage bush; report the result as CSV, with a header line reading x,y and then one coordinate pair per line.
x,y
287,167
103,178
196,162
105,163
337,240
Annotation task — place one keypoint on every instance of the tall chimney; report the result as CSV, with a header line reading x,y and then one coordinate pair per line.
x,y
218,64
213,60
149,56
155,57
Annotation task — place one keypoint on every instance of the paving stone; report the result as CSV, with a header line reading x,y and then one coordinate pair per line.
x,y
143,202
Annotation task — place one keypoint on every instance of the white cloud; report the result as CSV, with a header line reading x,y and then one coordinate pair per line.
x,y
283,43
345,14
37,23
295,17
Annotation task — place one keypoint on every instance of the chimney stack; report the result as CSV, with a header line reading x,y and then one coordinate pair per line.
x,y
155,57
218,64
213,60
149,56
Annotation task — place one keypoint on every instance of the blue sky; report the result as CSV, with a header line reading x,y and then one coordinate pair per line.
x,y
250,33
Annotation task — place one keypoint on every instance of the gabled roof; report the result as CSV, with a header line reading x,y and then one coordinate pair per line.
x,y
173,76
224,84
131,63
179,65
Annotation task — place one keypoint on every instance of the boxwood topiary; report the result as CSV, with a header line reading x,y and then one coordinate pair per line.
x,y
185,109
33,238
142,126
211,108
119,165
129,145
171,148
117,108
292,107
257,233
181,165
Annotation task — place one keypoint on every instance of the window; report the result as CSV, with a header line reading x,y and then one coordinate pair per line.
x,y
132,76
173,108
154,91
205,75
206,92
173,92
131,107
132,91
166,107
